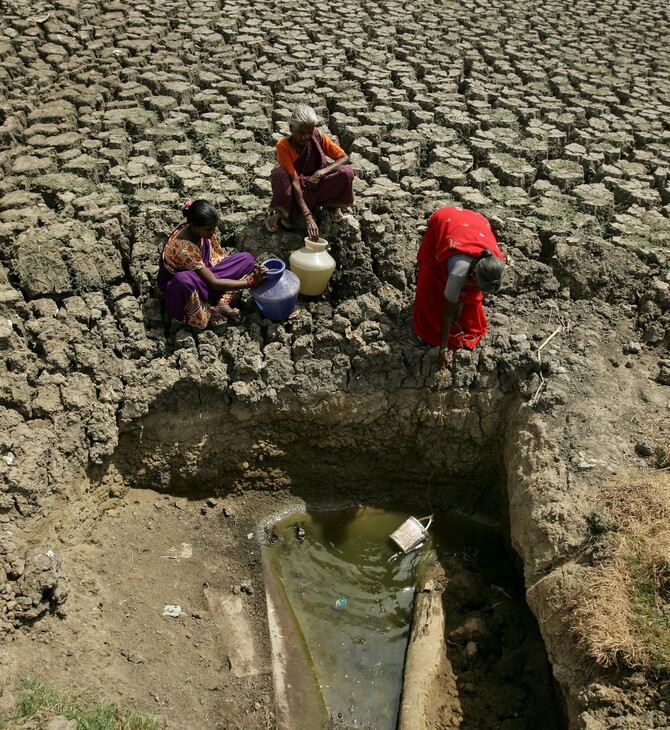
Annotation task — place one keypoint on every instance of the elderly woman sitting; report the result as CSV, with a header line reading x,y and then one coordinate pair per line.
x,y
199,281
305,179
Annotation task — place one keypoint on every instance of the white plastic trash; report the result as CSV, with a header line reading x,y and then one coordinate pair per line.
x,y
173,610
411,533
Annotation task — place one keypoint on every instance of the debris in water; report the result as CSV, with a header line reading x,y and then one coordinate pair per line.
x,y
411,534
340,603
299,532
274,536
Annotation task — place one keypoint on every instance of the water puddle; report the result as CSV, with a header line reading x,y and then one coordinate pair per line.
x,y
352,591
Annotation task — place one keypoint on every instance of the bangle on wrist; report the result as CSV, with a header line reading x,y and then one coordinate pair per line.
x,y
250,281
307,213
443,350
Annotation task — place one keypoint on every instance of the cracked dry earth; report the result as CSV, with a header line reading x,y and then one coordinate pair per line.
x,y
138,458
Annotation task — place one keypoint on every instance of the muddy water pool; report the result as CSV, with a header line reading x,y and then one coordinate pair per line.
x,y
352,591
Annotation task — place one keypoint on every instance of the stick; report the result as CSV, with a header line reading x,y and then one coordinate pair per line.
x,y
551,337
536,395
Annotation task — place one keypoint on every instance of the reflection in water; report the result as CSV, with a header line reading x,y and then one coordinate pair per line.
x,y
357,644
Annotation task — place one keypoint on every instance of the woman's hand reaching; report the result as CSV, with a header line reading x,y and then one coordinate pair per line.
x,y
312,228
443,360
259,274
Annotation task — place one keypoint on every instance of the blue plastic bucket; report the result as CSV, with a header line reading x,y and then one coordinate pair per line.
x,y
277,295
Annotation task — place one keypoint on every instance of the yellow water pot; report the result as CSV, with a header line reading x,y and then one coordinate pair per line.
x,y
313,265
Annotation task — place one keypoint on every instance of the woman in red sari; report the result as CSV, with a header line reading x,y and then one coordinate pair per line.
x,y
305,179
459,261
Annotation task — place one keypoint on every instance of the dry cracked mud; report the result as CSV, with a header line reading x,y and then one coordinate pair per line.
x,y
128,441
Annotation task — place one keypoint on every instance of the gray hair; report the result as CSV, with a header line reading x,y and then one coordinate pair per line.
x,y
490,272
302,114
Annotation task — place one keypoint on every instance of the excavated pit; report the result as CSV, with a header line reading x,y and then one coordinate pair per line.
x,y
336,450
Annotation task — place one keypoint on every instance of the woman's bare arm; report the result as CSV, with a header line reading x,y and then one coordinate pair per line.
x,y
320,174
312,228
448,312
230,284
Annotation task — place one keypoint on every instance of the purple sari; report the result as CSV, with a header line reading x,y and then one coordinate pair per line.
x,y
179,287
336,190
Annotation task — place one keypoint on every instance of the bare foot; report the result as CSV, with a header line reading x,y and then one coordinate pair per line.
x,y
272,221
227,312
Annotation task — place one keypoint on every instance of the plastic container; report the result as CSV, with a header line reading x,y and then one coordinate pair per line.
x,y
411,533
277,295
313,265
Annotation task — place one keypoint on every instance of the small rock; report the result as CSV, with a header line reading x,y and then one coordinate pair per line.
x,y
134,657
586,464
7,546
637,680
60,722
520,342
6,329
212,502
632,348
644,447
599,522
471,628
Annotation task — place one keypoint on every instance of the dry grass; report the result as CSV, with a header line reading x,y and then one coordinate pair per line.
x,y
657,431
621,615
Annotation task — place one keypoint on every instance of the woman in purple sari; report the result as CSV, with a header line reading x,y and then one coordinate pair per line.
x,y
198,279
305,179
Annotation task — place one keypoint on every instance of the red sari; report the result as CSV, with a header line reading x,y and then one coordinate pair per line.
x,y
451,231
